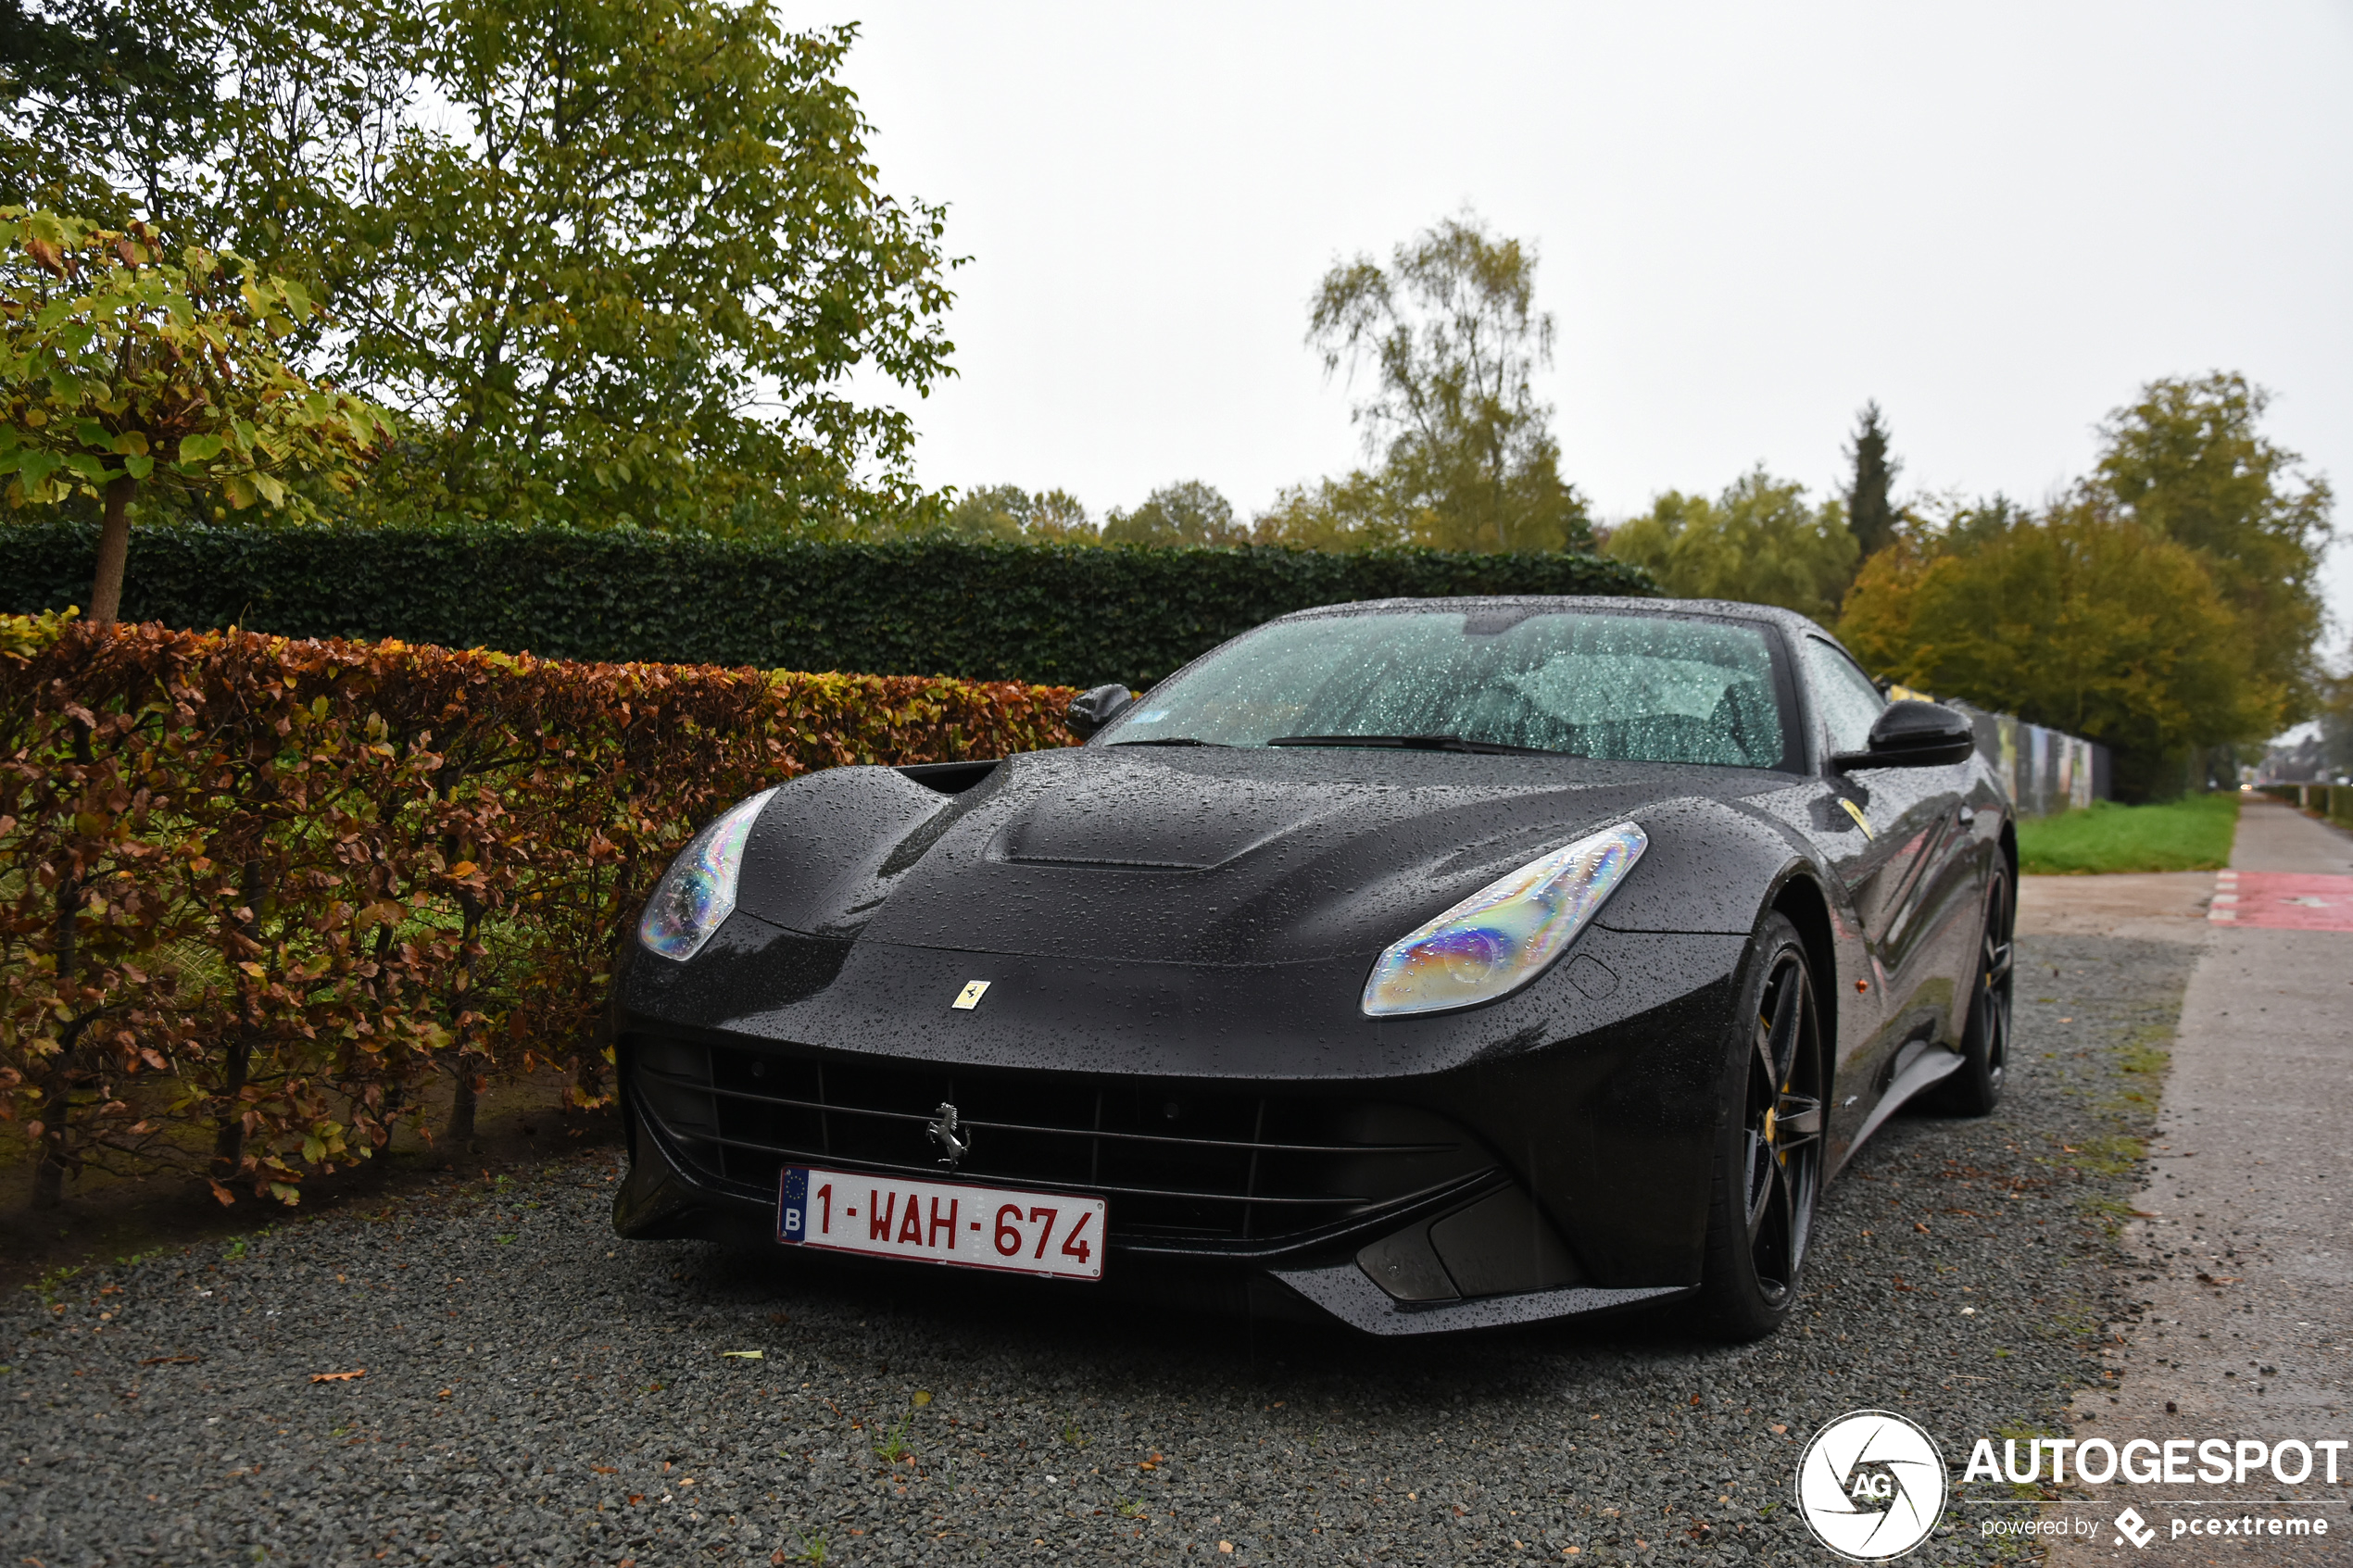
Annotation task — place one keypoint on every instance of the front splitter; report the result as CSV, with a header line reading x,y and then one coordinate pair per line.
x,y
1344,1291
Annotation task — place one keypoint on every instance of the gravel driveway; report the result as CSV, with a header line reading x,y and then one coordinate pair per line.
x,y
536,1391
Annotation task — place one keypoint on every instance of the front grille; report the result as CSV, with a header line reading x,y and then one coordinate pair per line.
x,y
1178,1160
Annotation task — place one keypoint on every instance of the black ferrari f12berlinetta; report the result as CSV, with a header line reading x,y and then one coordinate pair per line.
x,y
1428,964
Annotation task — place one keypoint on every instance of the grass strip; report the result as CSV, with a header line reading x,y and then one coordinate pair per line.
x,y
2190,835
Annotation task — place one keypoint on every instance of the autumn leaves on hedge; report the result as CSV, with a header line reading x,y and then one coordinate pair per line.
x,y
259,896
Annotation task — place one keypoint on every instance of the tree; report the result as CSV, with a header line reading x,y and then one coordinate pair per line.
x,y
1057,516
633,289
1451,337
102,104
2083,619
2336,725
1367,510
121,370
1009,512
1758,543
1358,512
2187,462
1188,512
1870,514
258,127
607,263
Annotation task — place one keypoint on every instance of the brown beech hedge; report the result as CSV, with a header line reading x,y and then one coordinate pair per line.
x,y
258,896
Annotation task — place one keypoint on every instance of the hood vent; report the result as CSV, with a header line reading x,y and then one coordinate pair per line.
x,y
1166,818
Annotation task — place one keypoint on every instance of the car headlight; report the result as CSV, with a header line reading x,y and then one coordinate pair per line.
x,y
1507,932
698,890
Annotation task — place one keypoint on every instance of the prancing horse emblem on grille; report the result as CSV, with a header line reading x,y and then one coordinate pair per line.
x,y
952,1149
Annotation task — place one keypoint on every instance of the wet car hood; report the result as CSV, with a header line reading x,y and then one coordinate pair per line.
x,y
1229,857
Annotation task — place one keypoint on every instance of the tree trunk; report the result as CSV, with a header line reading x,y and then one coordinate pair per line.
x,y
113,550
48,1184
462,1103
49,1170
229,1140
461,1108
229,1137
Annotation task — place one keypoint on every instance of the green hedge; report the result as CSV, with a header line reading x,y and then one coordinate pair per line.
x,y
1056,613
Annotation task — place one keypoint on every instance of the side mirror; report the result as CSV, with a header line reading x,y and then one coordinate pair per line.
x,y
1091,710
1913,734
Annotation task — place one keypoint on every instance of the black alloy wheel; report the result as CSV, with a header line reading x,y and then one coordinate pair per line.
x,y
1975,1088
1769,1162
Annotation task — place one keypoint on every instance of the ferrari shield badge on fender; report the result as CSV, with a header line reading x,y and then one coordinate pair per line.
x,y
969,997
1851,810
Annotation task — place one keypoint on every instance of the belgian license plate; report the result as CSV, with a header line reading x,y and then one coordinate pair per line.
x,y
1059,1235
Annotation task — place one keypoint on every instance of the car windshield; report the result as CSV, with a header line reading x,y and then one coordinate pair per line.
x,y
1637,687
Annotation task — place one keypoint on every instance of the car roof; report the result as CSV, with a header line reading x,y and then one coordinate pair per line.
x,y
1787,620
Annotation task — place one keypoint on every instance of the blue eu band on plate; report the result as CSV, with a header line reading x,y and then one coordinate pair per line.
x,y
1057,1235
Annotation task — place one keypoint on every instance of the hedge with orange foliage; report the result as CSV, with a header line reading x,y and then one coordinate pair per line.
x,y
257,895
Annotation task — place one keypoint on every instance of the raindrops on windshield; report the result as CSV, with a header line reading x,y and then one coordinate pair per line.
x,y
1633,688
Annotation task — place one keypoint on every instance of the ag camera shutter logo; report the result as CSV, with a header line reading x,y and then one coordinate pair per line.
x,y
1871,1486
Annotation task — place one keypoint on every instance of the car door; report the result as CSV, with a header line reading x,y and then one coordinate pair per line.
x,y
1896,838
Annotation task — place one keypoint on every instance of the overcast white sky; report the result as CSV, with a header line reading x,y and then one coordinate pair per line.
x,y
1998,219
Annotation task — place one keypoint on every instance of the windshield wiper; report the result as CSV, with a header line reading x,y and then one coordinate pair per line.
x,y
1421,743
1166,740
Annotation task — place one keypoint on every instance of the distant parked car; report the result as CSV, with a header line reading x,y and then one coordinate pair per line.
x,y
1424,963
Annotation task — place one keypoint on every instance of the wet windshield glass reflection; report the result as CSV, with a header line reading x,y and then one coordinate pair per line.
x,y
1633,687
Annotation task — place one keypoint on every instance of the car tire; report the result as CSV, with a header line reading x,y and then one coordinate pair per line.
x,y
1975,1088
1770,1143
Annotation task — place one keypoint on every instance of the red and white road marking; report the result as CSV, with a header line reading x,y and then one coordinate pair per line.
x,y
2283,901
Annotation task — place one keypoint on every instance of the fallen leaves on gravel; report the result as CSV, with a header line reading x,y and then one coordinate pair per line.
x,y
170,1361
335,1377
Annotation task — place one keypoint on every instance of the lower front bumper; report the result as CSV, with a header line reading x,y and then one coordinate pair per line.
x,y
1346,1292
663,1199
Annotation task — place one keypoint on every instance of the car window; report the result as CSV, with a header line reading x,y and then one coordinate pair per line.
x,y
1625,687
1843,696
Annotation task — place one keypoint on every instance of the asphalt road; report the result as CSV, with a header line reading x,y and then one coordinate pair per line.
x,y
535,1391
